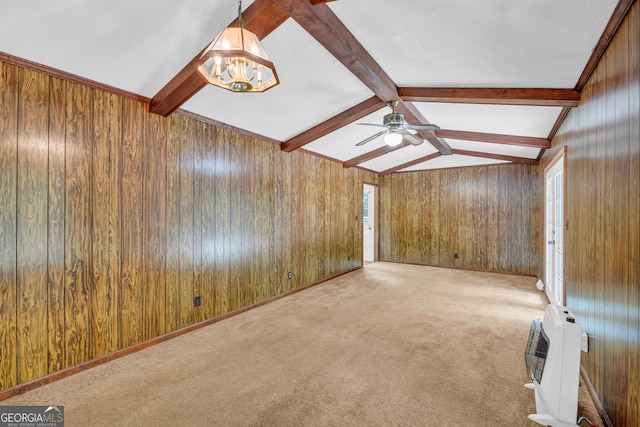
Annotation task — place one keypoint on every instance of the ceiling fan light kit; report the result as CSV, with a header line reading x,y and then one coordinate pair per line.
x,y
236,61
393,138
397,129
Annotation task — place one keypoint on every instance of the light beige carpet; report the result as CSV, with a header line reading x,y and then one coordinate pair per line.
x,y
388,345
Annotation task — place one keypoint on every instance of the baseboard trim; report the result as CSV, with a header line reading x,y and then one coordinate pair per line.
x,y
67,372
596,399
453,267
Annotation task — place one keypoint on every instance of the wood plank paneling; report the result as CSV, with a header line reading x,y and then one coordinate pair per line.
x,y
236,213
172,300
118,218
602,139
104,332
413,218
281,221
207,153
335,225
483,214
197,135
132,294
253,244
479,218
516,226
609,241
341,218
31,250
354,191
466,227
55,228
292,226
492,217
536,234
155,223
450,205
223,225
8,227
186,236
621,177
299,221
266,229
310,215
433,225
633,364
261,228
246,220
101,203
77,230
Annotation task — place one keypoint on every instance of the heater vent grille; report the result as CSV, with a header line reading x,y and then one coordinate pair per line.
x,y
535,355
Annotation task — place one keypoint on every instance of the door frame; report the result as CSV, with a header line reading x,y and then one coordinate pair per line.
x,y
561,156
376,220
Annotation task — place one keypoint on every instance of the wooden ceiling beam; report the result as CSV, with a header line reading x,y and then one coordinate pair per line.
x,y
261,18
413,115
541,143
373,154
496,157
504,96
179,90
523,141
409,164
323,25
348,116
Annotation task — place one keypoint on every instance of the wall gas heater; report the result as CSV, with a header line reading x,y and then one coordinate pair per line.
x,y
552,359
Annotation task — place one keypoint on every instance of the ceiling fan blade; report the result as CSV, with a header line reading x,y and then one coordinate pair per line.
x,y
372,124
421,127
371,138
411,138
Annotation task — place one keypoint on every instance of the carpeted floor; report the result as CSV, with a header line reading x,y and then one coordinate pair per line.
x,y
387,345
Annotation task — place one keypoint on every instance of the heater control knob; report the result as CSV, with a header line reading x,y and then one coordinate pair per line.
x,y
571,320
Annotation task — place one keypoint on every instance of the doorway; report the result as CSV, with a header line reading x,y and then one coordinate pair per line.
x,y
554,229
370,223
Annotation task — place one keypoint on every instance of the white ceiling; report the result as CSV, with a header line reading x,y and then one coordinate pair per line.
x,y
138,46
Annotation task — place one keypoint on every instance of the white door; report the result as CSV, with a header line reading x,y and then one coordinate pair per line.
x,y
368,223
554,223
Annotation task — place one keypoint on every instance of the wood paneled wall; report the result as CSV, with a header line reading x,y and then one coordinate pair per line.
x,y
113,220
484,214
602,249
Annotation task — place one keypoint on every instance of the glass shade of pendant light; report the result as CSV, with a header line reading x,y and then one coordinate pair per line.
x,y
236,61
392,138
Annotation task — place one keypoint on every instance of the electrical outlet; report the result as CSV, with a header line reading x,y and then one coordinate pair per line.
x,y
290,275
197,301
455,256
348,257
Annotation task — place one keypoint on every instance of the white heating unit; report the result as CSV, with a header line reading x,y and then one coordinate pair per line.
x,y
552,359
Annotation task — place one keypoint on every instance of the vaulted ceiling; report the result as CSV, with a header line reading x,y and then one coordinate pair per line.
x,y
497,76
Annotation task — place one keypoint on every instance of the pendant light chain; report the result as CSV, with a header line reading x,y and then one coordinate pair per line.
x,y
240,20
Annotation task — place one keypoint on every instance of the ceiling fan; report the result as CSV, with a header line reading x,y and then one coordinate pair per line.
x,y
397,129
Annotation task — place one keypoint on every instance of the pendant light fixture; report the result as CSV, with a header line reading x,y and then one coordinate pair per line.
x,y
236,61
